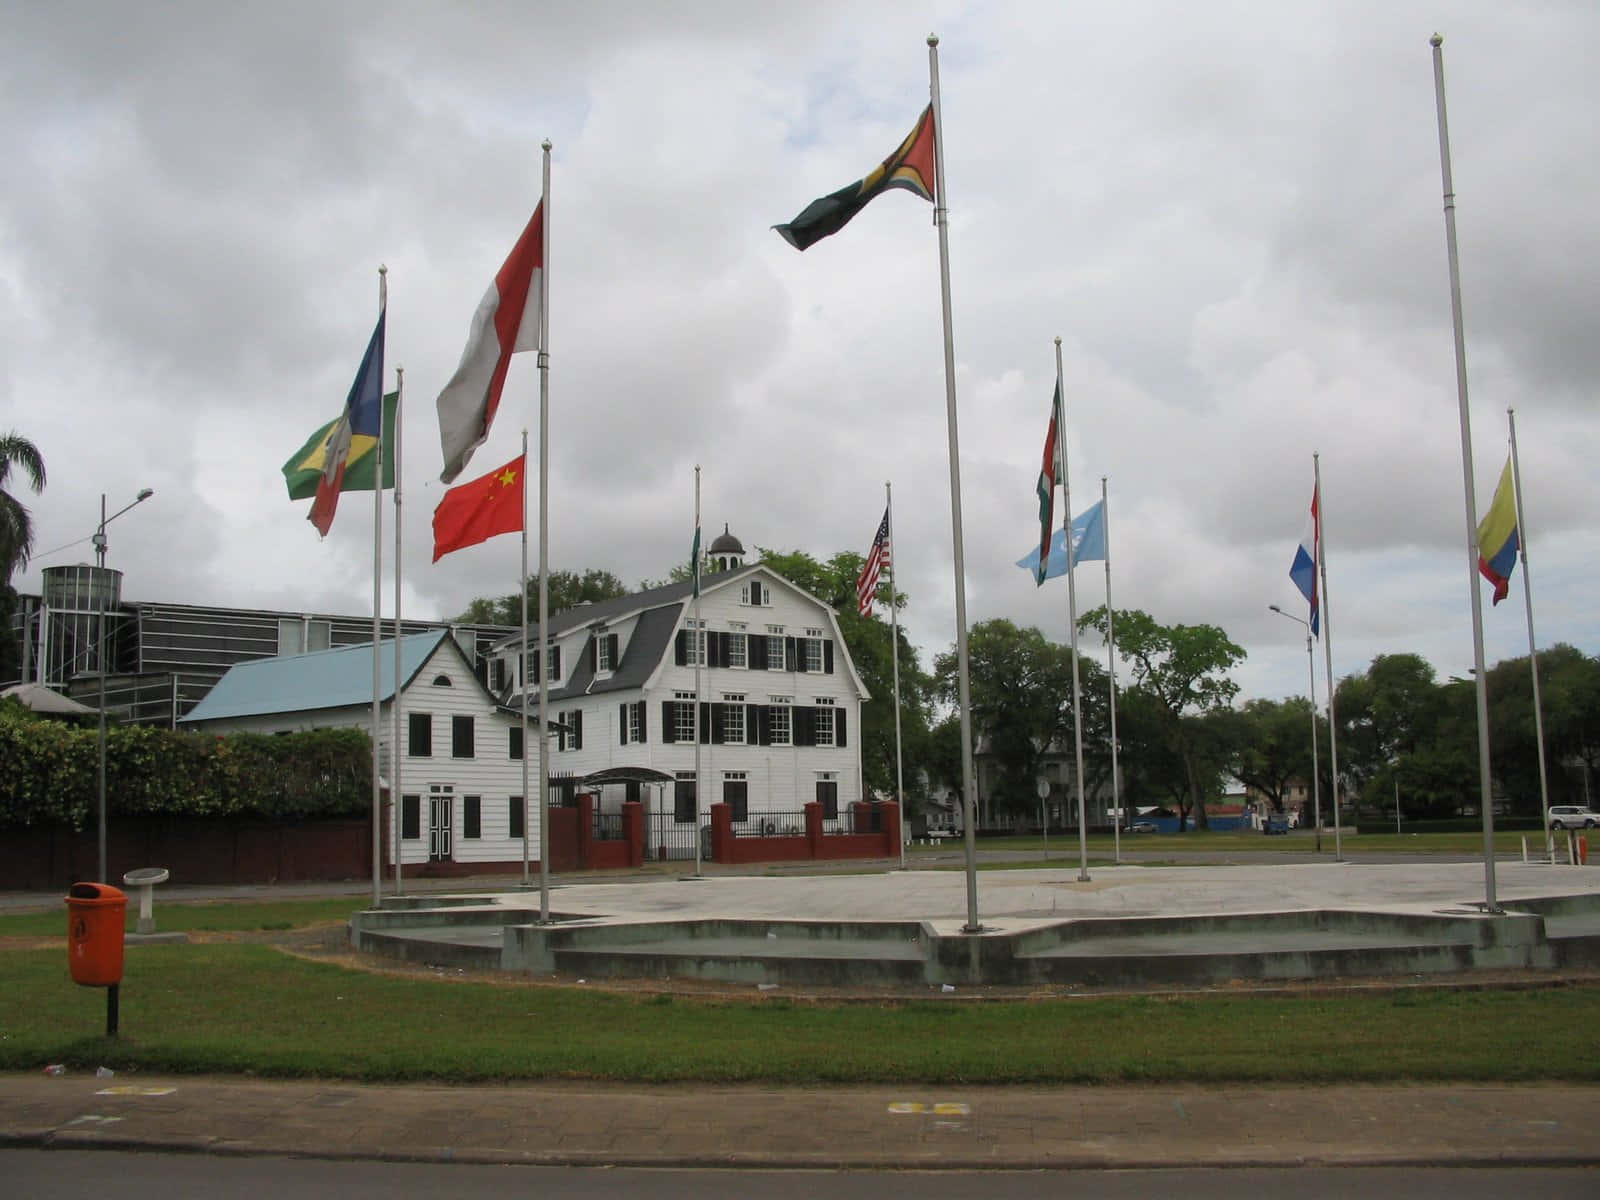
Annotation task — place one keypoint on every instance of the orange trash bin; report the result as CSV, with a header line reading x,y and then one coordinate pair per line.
x,y
97,915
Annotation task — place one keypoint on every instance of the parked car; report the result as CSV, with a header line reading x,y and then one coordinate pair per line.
x,y
1142,827
1572,816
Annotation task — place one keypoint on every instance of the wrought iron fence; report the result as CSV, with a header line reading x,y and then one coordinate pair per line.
x,y
667,838
607,827
771,824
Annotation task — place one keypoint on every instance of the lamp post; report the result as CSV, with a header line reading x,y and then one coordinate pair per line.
x,y
1311,664
100,656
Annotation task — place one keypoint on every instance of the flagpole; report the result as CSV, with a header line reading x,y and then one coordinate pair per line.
x,y
1527,599
1111,674
396,799
1480,677
894,635
694,652
522,594
963,685
1326,621
544,560
377,618
1072,617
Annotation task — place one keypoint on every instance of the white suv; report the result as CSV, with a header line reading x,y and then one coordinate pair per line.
x,y
1572,816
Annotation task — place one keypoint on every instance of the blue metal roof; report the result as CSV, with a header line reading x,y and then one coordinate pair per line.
x,y
323,679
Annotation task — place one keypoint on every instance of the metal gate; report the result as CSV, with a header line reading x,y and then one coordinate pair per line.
x,y
441,811
668,839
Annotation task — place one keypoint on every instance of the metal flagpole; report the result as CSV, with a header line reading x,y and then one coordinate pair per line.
x,y
544,555
1111,674
1326,621
963,684
377,618
1527,598
1480,677
522,593
695,653
1072,616
396,798
894,635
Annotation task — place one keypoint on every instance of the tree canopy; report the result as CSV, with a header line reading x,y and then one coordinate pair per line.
x,y
566,590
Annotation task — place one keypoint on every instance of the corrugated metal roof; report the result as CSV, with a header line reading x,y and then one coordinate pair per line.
x,y
324,679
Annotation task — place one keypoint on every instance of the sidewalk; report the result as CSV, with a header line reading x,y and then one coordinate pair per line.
x,y
852,1127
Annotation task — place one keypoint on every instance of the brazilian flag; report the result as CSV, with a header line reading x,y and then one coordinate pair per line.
x,y
303,471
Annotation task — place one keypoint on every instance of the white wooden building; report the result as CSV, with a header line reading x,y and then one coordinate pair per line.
x,y
461,773
776,712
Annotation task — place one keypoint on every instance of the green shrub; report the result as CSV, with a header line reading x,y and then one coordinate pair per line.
x,y
51,774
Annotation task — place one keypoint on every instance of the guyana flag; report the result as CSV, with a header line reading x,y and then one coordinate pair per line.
x,y
303,472
911,167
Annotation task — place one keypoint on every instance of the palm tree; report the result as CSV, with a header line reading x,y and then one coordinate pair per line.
x,y
16,526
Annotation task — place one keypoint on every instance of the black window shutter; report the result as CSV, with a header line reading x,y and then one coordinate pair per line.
x,y
594,654
577,730
555,662
827,655
669,728
714,645
642,735
805,725
681,647
791,653
705,723
757,656
840,734
611,644
719,724
764,725
752,724
622,723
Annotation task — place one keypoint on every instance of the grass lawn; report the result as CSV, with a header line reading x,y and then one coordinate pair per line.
x,y
228,1007
221,916
1300,841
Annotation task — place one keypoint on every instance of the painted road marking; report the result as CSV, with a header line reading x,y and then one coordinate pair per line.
x,y
129,1089
903,1108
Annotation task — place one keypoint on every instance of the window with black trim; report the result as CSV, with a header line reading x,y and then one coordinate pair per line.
x,y
420,742
514,814
462,736
410,818
514,741
472,816
683,798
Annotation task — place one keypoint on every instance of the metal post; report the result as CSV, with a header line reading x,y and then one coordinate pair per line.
x,y
1316,787
1480,676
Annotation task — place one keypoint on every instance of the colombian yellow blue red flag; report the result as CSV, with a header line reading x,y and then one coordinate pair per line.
x,y
1498,536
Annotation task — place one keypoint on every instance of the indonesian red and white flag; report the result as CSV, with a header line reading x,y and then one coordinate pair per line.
x,y
877,560
507,321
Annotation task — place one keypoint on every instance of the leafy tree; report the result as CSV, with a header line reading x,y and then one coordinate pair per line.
x,y
1569,687
1180,669
1267,745
1021,693
1391,711
869,640
567,589
16,524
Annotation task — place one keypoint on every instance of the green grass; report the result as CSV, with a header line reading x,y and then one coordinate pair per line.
x,y
221,916
250,1008
1300,841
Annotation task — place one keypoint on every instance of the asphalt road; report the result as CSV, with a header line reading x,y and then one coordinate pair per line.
x,y
75,1174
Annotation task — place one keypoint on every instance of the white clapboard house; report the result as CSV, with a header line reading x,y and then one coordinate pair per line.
x,y
775,719
461,773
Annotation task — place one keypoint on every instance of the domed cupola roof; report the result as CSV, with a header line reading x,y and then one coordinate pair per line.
x,y
726,543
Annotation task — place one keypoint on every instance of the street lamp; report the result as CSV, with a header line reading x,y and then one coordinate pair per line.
x,y
1311,663
100,657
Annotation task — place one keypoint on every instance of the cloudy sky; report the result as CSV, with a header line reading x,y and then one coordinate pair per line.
x,y
1230,214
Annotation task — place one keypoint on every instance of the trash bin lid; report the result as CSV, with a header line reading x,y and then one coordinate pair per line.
x,y
145,876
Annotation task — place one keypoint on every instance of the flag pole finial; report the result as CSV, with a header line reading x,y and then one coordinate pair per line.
x,y
1436,41
1058,343
545,145
933,39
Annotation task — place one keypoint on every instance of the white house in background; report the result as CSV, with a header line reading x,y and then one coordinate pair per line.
x,y
463,752
777,716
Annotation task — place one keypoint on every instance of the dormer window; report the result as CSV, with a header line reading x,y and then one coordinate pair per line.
x,y
442,681
755,593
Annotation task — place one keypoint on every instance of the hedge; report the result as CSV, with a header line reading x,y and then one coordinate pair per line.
x,y
51,773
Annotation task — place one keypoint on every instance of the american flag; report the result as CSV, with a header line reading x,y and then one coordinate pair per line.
x,y
877,559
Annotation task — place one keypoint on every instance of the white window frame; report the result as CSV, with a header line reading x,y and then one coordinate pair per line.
x,y
735,702
602,653
776,659
811,653
635,713
824,733
738,649
685,702
782,711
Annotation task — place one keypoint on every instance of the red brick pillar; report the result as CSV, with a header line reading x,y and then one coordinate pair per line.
x,y
891,830
585,829
633,831
721,833
814,829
